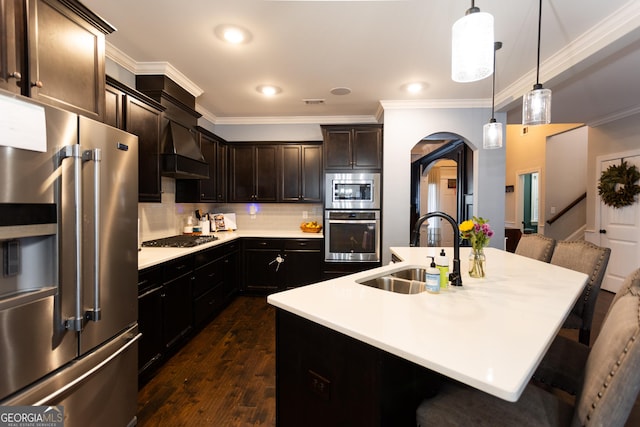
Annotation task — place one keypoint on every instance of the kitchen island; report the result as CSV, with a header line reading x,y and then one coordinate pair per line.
x,y
491,333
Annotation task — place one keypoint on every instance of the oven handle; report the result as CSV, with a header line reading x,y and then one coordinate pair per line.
x,y
353,221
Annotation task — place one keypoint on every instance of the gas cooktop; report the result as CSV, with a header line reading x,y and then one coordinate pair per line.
x,y
182,241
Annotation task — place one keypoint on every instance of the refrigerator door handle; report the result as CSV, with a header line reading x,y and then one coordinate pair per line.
x,y
95,155
73,152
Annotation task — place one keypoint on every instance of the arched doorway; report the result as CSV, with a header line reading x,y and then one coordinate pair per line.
x,y
441,180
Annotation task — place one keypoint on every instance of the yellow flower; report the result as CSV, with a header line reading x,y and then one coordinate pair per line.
x,y
466,225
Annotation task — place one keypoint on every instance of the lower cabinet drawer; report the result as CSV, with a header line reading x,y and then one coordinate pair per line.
x,y
207,304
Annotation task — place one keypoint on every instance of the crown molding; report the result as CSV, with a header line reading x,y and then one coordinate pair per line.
x,y
621,114
151,68
120,58
581,52
297,120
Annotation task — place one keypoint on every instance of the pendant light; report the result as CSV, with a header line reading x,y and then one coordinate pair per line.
x,y
536,104
472,46
492,131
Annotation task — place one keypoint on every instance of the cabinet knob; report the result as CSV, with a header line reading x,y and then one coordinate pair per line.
x,y
603,231
37,84
15,75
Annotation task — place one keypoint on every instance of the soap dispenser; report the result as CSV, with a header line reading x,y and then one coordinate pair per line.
x,y
442,263
432,278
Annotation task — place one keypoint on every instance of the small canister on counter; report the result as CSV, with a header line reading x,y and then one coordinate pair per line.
x,y
205,226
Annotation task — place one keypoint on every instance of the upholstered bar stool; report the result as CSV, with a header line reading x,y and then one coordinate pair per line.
x,y
536,246
608,387
580,255
563,365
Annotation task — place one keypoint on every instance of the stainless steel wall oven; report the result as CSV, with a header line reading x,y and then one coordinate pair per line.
x,y
352,236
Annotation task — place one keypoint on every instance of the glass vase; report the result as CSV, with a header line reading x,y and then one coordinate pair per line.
x,y
477,261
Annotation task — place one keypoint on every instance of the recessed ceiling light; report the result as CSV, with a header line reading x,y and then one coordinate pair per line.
x,y
232,34
341,91
415,87
268,90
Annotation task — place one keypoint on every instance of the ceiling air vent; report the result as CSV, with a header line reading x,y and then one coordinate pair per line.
x,y
313,101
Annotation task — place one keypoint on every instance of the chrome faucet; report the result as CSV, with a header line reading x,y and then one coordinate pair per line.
x,y
455,277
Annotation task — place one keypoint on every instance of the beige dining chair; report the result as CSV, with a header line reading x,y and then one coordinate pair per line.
x,y
580,255
563,364
608,387
536,246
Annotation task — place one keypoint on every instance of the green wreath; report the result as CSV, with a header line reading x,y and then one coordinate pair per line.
x,y
618,186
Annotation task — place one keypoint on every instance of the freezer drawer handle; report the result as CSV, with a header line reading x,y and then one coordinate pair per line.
x,y
94,314
62,390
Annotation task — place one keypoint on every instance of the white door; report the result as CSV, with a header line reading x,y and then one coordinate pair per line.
x,y
620,231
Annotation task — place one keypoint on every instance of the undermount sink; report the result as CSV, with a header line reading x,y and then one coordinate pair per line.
x,y
408,281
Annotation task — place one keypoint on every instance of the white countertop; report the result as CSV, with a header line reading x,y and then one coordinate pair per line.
x,y
491,333
148,257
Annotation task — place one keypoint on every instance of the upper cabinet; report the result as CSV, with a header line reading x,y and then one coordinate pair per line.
x,y
53,51
140,115
253,175
352,147
301,173
11,45
275,172
214,149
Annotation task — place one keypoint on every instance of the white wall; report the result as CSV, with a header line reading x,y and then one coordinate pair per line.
x,y
566,180
403,128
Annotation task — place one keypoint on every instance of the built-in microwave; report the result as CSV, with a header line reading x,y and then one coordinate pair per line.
x,y
352,191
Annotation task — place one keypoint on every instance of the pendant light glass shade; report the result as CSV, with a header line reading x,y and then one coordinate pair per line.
x,y
492,131
536,106
492,135
472,46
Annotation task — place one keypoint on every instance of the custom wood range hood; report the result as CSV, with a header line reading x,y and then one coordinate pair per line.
x,y
180,155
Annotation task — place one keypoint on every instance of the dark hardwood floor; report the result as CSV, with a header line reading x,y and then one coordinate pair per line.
x,y
225,376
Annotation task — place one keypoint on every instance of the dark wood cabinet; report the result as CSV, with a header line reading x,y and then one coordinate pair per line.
x,y
68,75
215,281
262,273
150,314
136,113
214,189
143,120
253,175
54,51
272,265
326,378
12,47
303,262
178,296
301,173
352,147
177,320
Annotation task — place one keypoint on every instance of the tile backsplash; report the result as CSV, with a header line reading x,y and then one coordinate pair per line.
x,y
168,218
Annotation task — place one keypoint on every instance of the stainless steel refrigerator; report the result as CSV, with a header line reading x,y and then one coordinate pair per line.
x,y
68,288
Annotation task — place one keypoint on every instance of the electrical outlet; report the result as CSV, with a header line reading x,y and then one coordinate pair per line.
x,y
552,210
319,385
305,215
